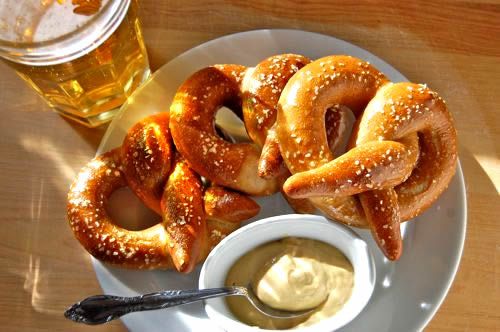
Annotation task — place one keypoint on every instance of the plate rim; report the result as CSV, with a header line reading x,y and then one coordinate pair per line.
x,y
456,264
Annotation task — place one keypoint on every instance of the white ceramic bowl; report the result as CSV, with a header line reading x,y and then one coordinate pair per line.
x,y
226,253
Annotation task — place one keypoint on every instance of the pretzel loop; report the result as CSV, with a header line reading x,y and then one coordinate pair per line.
x,y
161,178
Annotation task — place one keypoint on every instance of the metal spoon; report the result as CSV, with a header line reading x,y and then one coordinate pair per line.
x,y
100,309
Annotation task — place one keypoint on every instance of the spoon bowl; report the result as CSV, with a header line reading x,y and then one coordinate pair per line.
x,y
275,313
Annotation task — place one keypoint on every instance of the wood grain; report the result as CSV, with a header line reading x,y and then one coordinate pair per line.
x,y
454,46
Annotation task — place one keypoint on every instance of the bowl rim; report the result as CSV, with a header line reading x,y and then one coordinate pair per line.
x,y
361,292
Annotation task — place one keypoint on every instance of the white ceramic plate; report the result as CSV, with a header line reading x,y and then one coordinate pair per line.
x,y
407,293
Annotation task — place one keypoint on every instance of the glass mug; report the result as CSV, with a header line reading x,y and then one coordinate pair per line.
x,y
84,57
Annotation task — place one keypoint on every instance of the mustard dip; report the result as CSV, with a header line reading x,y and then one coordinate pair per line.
x,y
292,274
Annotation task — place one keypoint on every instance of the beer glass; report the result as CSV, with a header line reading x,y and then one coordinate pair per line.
x,y
84,57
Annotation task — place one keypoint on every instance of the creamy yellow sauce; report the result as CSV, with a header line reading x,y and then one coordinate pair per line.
x,y
292,274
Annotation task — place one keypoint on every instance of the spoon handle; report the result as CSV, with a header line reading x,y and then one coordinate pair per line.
x,y
100,309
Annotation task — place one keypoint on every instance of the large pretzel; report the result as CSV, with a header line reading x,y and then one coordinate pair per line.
x,y
194,219
404,146
261,90
233,165
262,87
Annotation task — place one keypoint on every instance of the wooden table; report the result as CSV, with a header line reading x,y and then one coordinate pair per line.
x,y
453,46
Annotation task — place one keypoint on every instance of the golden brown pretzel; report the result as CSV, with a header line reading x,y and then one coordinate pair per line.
x,y
185,235
225,210
233,165
95,229
146,155
396,173
262,87
183,216
196,220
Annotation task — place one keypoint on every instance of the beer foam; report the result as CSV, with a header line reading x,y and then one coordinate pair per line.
x,y
38,21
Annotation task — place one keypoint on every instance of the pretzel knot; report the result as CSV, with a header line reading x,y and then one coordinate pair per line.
x,y
194,218
403,147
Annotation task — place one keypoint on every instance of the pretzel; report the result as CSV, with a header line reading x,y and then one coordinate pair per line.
x,y
403,153
160,177
262,87
233,165
146,158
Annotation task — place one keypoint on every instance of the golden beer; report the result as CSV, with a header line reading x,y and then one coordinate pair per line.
x,y
90,87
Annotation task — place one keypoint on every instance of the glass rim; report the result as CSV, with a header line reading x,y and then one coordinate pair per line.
x,y
62,49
